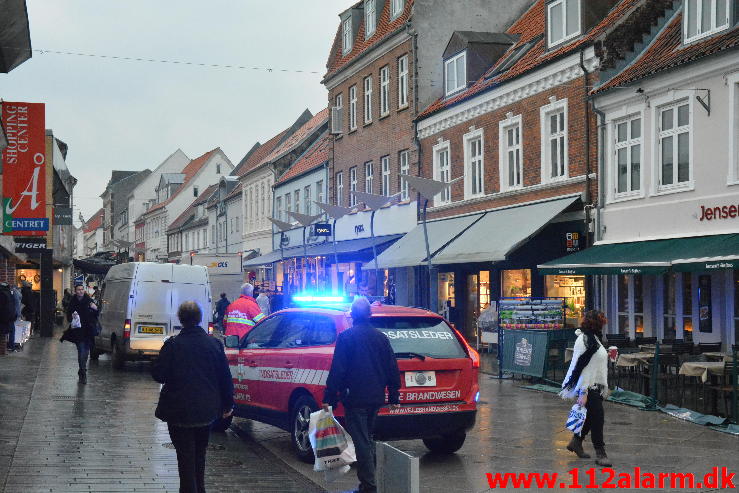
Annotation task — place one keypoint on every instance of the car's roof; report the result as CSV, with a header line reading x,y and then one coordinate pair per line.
x,y
377,310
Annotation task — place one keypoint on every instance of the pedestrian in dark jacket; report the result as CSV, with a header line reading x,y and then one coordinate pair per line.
x,y
221,307
83,337
363,366
197,390
28,298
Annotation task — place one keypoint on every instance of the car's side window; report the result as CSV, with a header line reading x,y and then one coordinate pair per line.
x,y
295,331
263,335
323,332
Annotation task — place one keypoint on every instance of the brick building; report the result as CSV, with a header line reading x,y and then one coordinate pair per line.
x,y
383,67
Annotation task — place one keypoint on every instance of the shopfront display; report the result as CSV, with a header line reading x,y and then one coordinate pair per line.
x,y
572,289
516,283
31,276
446,294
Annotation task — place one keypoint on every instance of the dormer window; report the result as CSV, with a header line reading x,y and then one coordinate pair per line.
x,y
455,73
347,34
396,8
563,18
705,17
370,18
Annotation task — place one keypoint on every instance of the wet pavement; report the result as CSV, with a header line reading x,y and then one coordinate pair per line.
x,y
57,435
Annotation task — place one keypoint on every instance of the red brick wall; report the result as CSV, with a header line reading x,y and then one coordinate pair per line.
x,y
529,109
7,270
385,136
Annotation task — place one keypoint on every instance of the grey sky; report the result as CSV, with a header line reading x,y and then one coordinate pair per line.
x,y
131,115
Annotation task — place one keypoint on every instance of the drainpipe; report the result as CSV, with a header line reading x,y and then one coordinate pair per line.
x,y
588,206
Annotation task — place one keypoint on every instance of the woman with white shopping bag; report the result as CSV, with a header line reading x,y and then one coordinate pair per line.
x,y
587,381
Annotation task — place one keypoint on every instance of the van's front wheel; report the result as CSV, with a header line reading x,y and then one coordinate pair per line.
x,y
118,358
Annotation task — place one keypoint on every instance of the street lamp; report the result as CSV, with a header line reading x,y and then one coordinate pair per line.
x,y
282,226
375,203
305,220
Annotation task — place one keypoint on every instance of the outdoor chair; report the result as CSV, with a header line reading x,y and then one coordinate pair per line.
x,y
725,387
618,340
709,347
693,381
645,340
665,375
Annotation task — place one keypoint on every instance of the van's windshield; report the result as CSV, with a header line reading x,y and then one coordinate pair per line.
x,y
425,336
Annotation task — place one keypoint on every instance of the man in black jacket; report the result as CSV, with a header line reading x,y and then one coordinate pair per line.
x,y
363,366
197,390
83,337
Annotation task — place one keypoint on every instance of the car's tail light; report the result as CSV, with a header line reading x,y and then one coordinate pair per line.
x,y
210,327
474,355
127,329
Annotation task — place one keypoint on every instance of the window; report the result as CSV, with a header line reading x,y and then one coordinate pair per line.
x,y
511,154
404,170
396,7
278,206
628,155
384,90
442,172
261,217
347,35
288,206
674,146
455,73
385,161
340,188
352,186
669,298
353,108
705,17
319,191
554,140
218,168
630,305
195,191
336,126
370,18
205,237
368,99
473,164
307,208
368,177
403,81
564,20
297,200
213,231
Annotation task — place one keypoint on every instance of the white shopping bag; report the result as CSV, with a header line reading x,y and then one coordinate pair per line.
x,y
332,445
76,324
576,419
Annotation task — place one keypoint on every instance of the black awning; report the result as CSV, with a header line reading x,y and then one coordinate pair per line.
x,y
15,36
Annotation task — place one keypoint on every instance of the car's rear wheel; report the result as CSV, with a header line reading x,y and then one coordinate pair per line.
x,y
299,421
222,424
118,358
446,444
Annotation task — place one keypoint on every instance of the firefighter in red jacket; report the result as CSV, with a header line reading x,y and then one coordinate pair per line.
x,y
243,314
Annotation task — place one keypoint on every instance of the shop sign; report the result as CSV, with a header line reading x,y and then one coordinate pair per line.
x,y
359,229
30,245
62,216
718,212
572,242
322,229
24,177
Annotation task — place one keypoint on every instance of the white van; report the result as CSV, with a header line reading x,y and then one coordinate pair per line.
x,y
139,307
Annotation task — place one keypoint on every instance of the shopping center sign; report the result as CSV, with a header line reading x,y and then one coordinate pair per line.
x,y
24,170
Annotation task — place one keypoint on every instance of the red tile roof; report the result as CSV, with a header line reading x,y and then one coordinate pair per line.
x,y
235,191
203,197
320,118
529,26
315,156
258,155
337,60
667,51
94,222
189,171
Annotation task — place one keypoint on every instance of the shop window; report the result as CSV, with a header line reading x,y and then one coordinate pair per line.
x,y
630,300
687,299
516,283
572,289
447,300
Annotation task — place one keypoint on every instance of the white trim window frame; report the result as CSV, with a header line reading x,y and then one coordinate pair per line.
x,y
674,146
698,24
347,35
405,168
456,79
307,204
474,164
368,99
369,177
385,90
403,82
385,165
353,108
296,194
278,206
340,188
560,27
554,141
627,158
370,18
352,186
442,171
733,82
339,106
511,153
319,191
396,8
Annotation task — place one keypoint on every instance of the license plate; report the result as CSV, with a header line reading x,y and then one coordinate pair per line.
x,y
420,379
151,329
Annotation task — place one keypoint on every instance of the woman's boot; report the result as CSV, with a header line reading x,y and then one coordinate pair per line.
x,y
601,458
575,445
83,376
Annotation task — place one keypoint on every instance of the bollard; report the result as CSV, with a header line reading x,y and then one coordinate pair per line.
x,y
397,471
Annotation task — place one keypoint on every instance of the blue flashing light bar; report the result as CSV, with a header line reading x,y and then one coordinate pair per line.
x,y
317,299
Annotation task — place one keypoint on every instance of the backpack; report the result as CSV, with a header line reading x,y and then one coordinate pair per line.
x,y
7,304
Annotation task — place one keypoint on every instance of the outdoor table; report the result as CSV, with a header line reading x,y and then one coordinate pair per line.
x,y
702,369
634,359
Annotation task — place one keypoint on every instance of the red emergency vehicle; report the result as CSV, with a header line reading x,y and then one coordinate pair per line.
x,y
280,368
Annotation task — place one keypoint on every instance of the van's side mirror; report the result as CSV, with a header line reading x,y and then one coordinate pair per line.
x,y
232,342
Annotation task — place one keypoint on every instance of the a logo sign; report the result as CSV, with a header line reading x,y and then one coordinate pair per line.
x,y
359,229
322,229
522,356
284,240
24,170
30,245
62,216
572,242
79,279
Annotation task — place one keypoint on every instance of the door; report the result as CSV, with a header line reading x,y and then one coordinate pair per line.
x,y
113,310
151,318
181,292
256,343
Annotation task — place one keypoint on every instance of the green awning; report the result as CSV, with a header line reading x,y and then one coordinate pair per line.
x,y
651,257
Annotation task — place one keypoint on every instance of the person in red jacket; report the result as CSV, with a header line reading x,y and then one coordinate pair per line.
x,y
243,314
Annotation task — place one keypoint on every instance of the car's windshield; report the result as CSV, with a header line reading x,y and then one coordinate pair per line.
x,y
425,336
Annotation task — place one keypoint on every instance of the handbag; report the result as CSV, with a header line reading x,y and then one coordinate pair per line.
x,y
576,419
332,445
